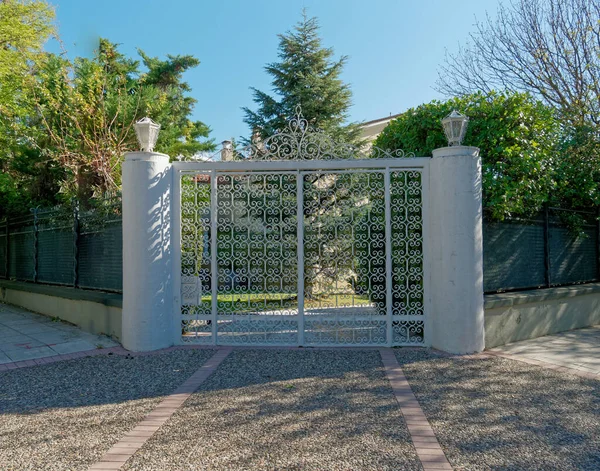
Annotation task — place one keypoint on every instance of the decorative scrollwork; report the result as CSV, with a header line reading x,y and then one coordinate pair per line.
x,y
244,233
301,141
407,256
256,258
344,258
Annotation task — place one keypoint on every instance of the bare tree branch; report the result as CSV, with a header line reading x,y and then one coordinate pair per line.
x,y
549,48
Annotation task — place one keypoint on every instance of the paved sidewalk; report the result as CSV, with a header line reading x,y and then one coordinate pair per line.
x,y
28,336
577,349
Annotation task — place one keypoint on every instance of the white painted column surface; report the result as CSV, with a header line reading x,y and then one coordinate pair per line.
x,y
456,287
147,258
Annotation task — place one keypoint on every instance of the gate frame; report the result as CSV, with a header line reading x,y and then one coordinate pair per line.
x,y
300,167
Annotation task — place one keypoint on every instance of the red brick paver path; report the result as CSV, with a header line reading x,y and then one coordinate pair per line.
x,y
428,448
135,439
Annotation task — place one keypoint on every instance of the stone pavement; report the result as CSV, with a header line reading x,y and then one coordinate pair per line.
x,y
576,349
28,336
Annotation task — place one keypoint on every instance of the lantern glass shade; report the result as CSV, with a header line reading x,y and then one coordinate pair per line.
x,y
455,128
146,131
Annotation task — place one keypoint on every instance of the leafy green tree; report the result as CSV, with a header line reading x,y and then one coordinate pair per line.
x,y
577,169
518,137
551,49
24,28
306,75
87,109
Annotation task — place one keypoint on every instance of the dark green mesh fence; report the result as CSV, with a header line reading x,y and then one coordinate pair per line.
x,y
513,255
85,250
55,247
3,250
101,255
65,247
540,252
573,258
21,244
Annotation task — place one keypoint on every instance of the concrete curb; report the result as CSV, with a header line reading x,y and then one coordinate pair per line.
x,y
543,364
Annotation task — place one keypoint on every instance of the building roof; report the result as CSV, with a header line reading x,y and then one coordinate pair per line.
x,y
372,129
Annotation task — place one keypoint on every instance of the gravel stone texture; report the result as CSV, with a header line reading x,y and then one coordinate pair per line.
x,y
66,415
498,414
286,410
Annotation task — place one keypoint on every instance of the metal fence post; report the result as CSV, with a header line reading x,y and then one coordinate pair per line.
x,y
35,244
75,244
6,250
547,265
598,242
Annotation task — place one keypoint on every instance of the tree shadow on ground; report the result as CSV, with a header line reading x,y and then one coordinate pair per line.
x,y
288,410
499,414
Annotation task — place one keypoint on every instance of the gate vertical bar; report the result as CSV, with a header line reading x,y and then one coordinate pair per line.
x,y
388,259
427,264
300,250
214,284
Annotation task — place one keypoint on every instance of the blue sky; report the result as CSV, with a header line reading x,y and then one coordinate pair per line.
x,y
394,46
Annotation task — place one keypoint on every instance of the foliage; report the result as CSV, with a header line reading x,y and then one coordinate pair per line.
x,y
517,136
549,48
65,124
88,107
578,169
306,75
24,28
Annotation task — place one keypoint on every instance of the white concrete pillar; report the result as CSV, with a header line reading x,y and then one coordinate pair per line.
x,y
456,288
147,266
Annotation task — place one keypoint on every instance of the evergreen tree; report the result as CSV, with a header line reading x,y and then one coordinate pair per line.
x,y
306,75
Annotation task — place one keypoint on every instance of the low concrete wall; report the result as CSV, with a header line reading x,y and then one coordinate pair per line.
x,y
510,317
94,311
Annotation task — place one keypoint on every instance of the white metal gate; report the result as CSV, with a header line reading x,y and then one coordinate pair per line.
x,y
302,243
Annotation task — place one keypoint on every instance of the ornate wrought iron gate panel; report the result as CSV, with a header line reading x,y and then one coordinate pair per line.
x,y
344,258
308,257
195,250
256,227
407,268
299,240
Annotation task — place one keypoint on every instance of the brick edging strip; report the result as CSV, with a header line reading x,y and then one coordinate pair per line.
x,y
428,449
133,440
543,364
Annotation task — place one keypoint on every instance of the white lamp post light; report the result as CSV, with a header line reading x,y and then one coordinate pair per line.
x,y
146,131
227,151
455,127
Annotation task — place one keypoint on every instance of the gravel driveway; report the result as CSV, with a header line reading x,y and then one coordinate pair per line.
x,y
498,414
64,416
286,410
